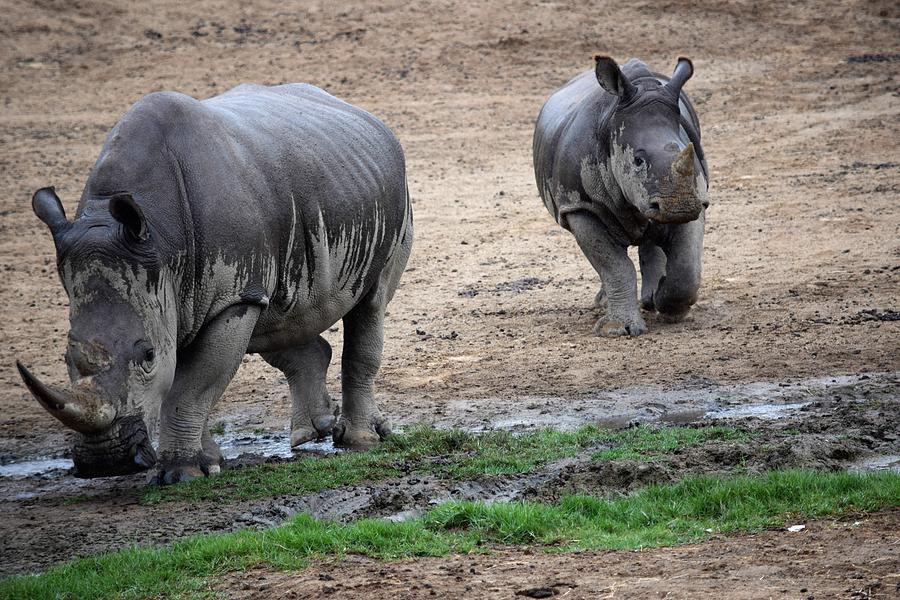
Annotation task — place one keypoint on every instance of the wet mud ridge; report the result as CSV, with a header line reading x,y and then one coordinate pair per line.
x,y
855,425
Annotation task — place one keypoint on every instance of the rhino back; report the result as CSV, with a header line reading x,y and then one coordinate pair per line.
x,y
285,196
569,129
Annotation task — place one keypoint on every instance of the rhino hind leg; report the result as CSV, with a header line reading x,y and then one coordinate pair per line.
x,y
653,269
601,300
204,370
617,274
361,424
305,367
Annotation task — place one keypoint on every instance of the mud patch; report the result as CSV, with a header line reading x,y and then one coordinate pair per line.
x,y
51,519
829,436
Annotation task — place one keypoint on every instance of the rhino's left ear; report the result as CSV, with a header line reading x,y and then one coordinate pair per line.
x,y
683,71
126,211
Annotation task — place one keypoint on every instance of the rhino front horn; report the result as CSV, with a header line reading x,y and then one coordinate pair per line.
x,y
79,412
683,165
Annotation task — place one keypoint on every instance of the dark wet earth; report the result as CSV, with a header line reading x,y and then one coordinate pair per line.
x,y
849,422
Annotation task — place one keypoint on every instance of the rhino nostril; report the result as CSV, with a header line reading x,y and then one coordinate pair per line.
x,y
654,205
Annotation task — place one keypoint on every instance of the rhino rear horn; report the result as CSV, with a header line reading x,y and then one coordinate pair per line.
x,y
683,71
49,209
86,415
611,78
126,211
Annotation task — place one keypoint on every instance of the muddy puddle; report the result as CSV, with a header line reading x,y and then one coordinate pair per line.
x,y
232,444
841,423
613,409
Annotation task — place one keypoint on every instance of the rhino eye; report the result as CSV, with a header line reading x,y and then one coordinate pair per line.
x,y
146,355
638,161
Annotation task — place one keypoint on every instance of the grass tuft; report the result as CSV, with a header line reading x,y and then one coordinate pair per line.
x,y
452,454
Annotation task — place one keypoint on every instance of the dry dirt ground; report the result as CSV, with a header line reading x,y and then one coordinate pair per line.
x,y
800,109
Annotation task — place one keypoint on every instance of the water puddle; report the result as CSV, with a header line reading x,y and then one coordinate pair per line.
x,y
232,445
38,466
885,462
269,445
758,411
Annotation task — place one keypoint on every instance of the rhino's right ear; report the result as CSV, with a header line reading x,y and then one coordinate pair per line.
x,y
611,78
49,209
126,211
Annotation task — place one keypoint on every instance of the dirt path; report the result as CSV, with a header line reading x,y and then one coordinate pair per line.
x,y
800,114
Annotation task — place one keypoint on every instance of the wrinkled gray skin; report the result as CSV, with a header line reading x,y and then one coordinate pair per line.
x,y
248,222
618,162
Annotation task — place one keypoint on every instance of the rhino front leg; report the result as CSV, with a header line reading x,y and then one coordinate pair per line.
x,y
617,274
678,288
203,372
653,269
306,367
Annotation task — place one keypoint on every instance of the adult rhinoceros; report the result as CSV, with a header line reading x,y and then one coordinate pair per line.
x,y
618,162
248,222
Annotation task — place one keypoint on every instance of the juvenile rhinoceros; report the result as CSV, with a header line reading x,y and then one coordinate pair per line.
x,y
618,162
248,222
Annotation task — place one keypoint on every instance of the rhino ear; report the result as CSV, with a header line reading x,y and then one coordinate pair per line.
x,y
611,78
126,211
49,209
683,71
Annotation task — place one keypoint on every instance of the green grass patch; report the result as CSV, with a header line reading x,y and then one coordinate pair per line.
x,y
451,454
305,475
654,516
642,443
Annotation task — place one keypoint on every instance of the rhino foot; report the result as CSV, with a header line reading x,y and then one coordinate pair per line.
x,y
607,326
175,469
179,473
317,429
362,436
673,317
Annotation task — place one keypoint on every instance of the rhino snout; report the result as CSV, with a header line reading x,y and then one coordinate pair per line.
x,y
123,449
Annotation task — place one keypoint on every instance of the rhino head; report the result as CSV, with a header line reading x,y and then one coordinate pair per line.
x,y
121,343
651,158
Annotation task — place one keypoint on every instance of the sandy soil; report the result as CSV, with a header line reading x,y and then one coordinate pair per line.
x,y
800,113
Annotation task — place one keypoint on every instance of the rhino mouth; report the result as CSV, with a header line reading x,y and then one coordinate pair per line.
x,y
686,212
122,450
